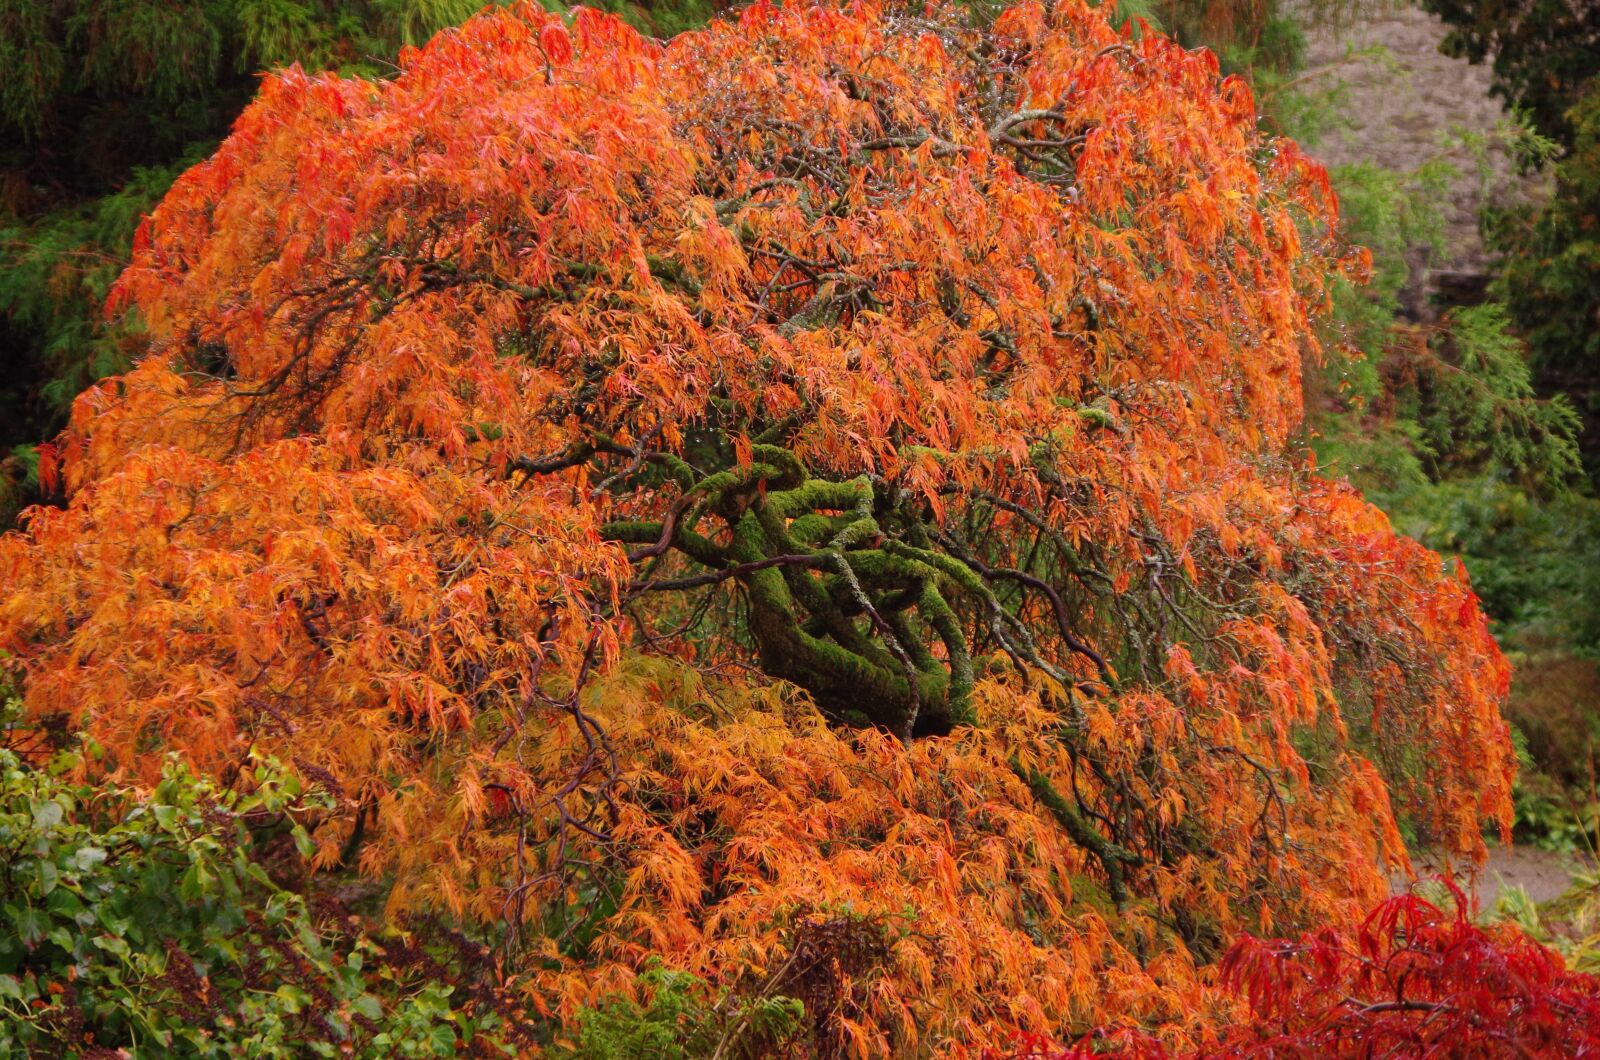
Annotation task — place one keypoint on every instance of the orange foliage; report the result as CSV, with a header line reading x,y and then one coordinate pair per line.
x,y
421,346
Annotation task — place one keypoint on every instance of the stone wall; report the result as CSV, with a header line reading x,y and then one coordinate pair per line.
x,y
1405,106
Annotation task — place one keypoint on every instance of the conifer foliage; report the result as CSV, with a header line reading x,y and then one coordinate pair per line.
x,y
810,502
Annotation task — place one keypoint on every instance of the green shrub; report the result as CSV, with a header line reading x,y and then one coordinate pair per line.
x,y
678,1023
148,923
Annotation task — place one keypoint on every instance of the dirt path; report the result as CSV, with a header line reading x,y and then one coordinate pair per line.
x,y
1544,875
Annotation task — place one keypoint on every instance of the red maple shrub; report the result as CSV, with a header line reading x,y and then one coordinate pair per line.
x,y
1414,980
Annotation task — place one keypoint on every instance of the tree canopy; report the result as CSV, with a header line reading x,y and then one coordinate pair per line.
x,y
1552,265
105,102
1542,51
1546,60
821,485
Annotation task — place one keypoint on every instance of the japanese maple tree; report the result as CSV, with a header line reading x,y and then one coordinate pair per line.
x,y
814,501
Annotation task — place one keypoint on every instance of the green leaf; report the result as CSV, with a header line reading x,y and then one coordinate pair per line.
x,y
303,842
293,998
47,815
49,876
368,1006
30,925
196,882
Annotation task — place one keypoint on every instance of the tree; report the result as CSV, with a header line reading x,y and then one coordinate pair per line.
x,y
1546,60
105,105
1552,274
1543,51
812,501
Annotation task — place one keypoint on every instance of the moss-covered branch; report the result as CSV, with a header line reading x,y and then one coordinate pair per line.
x,y
1113,859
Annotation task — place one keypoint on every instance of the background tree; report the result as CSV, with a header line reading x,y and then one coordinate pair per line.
x,y
1552,274
1532,554
1543,52
1546,60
